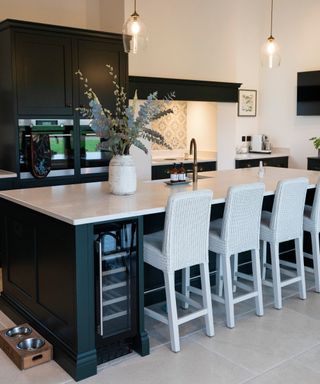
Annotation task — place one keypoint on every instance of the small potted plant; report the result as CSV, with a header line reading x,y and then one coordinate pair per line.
x,y
316,143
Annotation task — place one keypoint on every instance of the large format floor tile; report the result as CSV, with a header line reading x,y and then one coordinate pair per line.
x,y
194,364
288,372
261,343
48,373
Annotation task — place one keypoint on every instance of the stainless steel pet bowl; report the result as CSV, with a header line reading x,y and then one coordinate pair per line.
x,y
18,331
31,344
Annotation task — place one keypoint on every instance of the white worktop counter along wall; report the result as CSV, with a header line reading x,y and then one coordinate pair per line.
x,y
92,202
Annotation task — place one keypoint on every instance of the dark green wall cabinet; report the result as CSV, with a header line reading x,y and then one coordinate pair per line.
x,y
37,81
44,74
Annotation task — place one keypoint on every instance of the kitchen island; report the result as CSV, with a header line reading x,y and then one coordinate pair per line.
x,y
49,257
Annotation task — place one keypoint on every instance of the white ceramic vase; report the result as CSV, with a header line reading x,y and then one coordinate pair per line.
x,y
122,175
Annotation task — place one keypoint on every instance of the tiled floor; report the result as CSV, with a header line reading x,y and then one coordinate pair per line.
x,y
280,347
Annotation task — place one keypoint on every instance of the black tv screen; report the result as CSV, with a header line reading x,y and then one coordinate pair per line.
x,y
308,93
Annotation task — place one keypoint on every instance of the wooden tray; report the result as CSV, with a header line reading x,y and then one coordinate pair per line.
x,y
24,358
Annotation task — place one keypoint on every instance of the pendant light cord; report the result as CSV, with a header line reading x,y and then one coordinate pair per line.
x,y
270,18
135,14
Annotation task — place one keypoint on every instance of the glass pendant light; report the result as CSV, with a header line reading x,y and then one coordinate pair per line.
x,y
270,50
134,33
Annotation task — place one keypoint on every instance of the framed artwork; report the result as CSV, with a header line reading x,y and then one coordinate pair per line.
x,y
247,102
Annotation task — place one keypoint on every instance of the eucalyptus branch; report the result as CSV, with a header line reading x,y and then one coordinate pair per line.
x,y
121,128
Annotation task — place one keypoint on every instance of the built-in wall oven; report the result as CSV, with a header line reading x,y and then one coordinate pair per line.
x,y
46,147
92,158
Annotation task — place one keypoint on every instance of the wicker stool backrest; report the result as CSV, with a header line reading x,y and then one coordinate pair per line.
x,y
241,218
287,211
186,229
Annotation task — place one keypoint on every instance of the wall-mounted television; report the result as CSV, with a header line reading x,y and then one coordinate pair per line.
x,y
308,93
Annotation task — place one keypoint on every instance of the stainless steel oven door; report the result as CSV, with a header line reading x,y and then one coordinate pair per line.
x,y
60,133
92,159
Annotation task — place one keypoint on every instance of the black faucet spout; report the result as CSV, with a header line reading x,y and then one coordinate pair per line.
x,y
193,150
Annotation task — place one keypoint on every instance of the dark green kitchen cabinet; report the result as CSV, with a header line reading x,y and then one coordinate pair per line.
x,y
163,171
314,163
44,74
281,161
93,55
38,84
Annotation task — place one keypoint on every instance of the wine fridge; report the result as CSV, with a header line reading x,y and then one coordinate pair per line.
x,y
115,249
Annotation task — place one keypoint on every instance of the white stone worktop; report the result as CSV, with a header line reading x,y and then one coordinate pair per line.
x,y
92,202
7,174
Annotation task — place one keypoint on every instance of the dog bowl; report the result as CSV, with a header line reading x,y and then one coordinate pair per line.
x,y
31,344
18,331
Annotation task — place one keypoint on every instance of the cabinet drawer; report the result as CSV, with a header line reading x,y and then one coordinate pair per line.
x,y
314,163
271,162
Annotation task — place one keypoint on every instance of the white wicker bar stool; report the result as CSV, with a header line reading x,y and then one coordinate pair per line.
x,y
284,223
238,231
182,244
311,223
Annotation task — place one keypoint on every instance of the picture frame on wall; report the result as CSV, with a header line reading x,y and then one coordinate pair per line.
x,y
247,102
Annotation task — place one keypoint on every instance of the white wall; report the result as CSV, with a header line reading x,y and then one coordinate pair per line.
x,y
297,29
71,13
106,15
226,135
202,124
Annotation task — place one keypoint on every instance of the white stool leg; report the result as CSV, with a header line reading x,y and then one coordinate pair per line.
x,y
256,272
206,296
185,284
172,311
219,276
228,295
300,268
276,279
235,270
264,260
316,259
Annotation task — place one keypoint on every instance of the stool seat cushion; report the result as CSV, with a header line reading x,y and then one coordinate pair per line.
x,y
216,226
307,211
308,223
266,233
152,247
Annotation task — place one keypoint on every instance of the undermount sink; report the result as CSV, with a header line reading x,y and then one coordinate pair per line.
x,y
204,177
173,159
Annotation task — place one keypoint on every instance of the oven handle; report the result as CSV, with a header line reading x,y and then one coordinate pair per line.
x,y
53,134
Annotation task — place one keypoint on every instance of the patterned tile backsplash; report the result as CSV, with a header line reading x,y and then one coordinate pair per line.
x,y
173,126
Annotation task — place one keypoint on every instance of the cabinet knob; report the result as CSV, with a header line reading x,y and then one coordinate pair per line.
x,y
68,105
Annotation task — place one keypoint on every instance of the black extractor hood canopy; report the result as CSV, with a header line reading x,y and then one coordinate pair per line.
x,y
191,90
